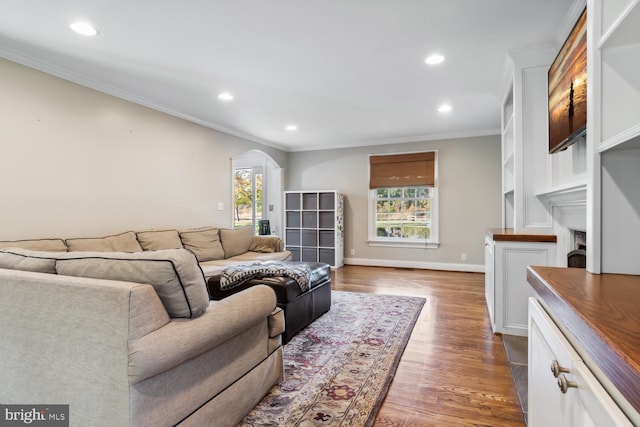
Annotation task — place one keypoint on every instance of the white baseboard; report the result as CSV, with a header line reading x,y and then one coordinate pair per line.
x,y
472,268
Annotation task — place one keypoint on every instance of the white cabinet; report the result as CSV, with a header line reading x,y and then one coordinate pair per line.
x,y
489,280
506,286
314,226
562,389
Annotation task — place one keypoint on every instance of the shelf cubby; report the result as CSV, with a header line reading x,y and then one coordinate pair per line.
x,y
292,236
326,238
309,219
309,238
326,220
309,201
327,201
293,219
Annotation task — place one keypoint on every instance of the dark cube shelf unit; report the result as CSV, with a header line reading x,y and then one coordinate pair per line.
x,y
314,226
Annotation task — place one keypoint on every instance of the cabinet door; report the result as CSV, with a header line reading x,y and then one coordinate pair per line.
x,y
512,288
591,404
548,406
584,402
489,284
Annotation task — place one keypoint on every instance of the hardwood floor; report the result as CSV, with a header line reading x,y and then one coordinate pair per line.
x,y
454,371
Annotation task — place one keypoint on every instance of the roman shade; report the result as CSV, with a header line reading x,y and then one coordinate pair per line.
x,y
402,170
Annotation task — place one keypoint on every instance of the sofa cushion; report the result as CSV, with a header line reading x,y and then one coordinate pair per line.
x,y
174,274
124,242
203,242
26,260
153,240
236,242
54,245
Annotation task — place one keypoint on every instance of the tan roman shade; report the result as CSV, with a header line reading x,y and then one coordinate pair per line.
x,y
402,170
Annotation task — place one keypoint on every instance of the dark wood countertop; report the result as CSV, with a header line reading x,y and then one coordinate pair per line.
x,y
522,235
602,312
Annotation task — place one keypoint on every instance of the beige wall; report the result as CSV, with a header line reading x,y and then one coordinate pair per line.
x,y
469,196
77,162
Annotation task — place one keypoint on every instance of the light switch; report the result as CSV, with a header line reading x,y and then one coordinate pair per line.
x,y
220,206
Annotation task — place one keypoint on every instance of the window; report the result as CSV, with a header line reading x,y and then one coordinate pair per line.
x,y
247,194
403,199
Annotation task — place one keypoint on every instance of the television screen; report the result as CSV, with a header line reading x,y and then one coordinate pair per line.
x,y
568,89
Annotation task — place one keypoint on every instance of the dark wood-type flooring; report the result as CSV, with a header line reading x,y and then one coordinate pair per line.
x,y
454,371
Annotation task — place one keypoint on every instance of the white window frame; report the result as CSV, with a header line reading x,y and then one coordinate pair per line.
x,y
432,242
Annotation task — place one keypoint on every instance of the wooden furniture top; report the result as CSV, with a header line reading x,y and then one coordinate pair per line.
x,y
602,313
522,235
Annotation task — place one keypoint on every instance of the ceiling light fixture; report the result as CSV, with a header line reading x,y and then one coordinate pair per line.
x,y
225,96
291,128
444,108
434,59
84,28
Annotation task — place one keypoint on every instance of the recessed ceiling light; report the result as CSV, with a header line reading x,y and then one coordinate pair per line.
x,y
434,59
444,108
84,28
291,128
225,96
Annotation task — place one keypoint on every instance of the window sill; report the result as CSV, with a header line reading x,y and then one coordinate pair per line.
x,y
399,244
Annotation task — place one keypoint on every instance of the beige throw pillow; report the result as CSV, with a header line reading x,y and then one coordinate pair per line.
x,y
52,245
124,242
154,240
26,260
236,242
203,242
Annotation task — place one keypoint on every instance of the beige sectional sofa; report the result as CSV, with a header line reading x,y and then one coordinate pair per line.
x,y
128,336
214,247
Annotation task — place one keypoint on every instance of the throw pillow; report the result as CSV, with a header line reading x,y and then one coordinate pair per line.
x,y
236,242
203,242
27,260
154,240
52,245
124,242
174,274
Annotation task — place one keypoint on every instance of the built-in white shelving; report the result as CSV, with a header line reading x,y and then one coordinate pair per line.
x,y
615,137
619,48
524,148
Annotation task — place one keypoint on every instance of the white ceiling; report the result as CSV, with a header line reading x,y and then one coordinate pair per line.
x,y
346,72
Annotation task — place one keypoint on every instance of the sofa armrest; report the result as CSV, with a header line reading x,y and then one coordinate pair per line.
x,y
184,339
266,244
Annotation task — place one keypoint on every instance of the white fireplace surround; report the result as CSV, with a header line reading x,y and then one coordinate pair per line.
x,y
568,207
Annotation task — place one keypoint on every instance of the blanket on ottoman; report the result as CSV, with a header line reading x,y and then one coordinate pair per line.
x,y
235,275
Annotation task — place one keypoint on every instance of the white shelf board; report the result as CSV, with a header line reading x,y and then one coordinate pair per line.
x,y
619,139
626,22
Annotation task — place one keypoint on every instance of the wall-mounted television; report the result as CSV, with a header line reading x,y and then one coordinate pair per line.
x,y
568,89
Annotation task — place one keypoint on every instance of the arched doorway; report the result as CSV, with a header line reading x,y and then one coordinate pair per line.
x,y
257,190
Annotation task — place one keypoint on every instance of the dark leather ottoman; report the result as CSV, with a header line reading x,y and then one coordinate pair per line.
x,y
300,308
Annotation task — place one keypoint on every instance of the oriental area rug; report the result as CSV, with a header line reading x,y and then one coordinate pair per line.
x,y
338,369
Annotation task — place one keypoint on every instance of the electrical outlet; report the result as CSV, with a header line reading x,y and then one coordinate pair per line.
x,y
463,256
352,252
